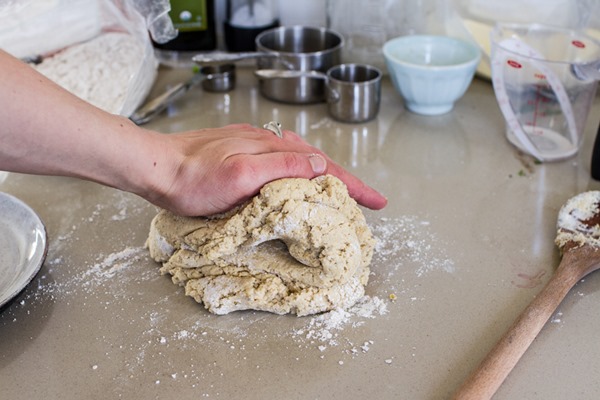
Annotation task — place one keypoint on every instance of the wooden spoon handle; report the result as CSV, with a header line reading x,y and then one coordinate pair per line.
x,y
495,367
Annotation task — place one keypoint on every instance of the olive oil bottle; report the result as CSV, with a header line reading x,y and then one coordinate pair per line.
x,y
195,22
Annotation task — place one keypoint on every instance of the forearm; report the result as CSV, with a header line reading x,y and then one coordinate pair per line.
x,y
46,130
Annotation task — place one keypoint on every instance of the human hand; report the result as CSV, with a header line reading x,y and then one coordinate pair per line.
x,y
208,171
192,173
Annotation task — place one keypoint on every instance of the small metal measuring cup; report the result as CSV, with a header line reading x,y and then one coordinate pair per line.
x,y
353,91
218,78
214,78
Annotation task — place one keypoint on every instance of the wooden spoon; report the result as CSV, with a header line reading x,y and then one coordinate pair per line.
x,y
579,241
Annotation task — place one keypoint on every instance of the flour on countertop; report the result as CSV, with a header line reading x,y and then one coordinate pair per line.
x,y
405,245
98,71
325,328
112,264
103,272
409,238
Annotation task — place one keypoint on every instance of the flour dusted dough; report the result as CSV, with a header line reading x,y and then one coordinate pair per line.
x,y
300,246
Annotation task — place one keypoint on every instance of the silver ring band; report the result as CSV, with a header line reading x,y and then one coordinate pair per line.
x,y
274,127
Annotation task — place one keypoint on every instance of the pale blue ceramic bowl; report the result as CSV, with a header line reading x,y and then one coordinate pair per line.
x,y
430,72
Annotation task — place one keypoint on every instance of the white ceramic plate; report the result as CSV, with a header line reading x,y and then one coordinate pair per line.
x,y
23,246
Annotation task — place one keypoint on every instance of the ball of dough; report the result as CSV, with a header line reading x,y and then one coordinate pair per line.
x,y
300,246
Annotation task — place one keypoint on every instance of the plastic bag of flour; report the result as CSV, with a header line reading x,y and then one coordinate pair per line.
x,y
100,50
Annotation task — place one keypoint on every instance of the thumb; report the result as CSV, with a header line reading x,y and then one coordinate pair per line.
x,y
268,167
260,169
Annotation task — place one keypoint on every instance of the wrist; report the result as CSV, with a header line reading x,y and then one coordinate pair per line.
x,y
148,167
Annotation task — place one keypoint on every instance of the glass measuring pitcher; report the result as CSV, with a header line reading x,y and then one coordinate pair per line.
x,y
544,79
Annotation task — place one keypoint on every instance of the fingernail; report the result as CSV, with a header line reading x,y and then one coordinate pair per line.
x,y
318,163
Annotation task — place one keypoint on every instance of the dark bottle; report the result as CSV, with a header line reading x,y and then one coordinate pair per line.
x,y
245,20
596,157
195,21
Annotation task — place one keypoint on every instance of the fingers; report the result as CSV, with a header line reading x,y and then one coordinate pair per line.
x,y
268,157
259,169
252,171
361,192
358,190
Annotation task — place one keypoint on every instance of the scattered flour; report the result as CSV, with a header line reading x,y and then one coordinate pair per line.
x,y
405,245
557,318
102,273
325,328
114,263
409,239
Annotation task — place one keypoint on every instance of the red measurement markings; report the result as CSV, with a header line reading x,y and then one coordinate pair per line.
x,y
537,104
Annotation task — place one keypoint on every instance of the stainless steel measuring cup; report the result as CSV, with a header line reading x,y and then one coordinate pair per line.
x,y
218,78
299,48
353,91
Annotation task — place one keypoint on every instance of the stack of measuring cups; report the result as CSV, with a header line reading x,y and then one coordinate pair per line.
x,y
545,79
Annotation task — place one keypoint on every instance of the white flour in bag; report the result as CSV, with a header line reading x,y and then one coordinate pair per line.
x,y
98,71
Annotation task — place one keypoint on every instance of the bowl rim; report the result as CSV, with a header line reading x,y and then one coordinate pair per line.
x,y
464,43
299,30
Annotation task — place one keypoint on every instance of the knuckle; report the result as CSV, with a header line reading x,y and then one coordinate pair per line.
x,y
240,174
290,163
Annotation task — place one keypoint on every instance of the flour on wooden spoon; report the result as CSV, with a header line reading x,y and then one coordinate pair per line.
x,y
575,220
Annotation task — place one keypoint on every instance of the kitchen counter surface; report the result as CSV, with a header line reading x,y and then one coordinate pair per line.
x,y
464,245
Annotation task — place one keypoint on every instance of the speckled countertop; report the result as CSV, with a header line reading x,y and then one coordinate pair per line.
x,y
464,245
